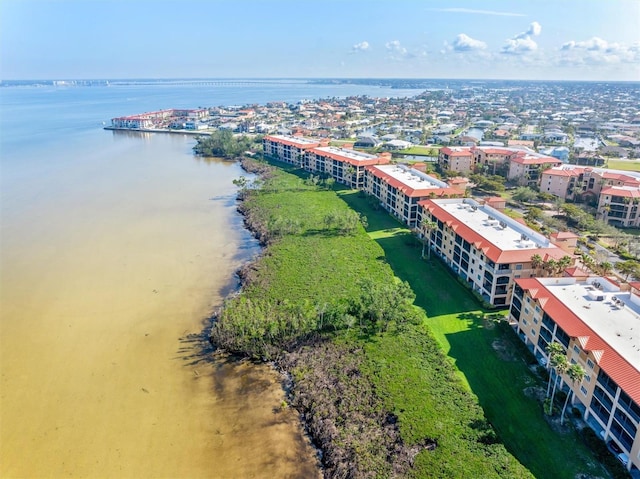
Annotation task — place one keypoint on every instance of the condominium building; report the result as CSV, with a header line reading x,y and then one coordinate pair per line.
x,y
584,184
345,165
400,188
523,165
288,149
618,206
598,325
526,168
487,248
456,159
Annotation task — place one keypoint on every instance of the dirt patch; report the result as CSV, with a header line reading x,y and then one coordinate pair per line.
x,y
535,392
488,324
504,349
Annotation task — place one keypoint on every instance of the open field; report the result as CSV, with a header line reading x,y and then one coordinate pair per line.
x,y
626,165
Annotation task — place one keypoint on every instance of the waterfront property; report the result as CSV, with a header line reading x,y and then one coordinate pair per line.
x,y
160,119
598,324
400,189
289,149
346,166
485,247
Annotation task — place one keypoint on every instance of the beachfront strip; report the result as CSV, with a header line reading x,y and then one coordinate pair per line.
x,y
492,253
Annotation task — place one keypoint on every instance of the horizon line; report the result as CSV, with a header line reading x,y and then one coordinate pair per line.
x,y
62,79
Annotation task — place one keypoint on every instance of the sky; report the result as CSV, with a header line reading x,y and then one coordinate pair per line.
x,y
488,39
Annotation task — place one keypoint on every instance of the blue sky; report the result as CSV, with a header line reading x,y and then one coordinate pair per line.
x,y
518,39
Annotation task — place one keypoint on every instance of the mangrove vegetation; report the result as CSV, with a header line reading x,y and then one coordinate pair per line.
x,y
377,394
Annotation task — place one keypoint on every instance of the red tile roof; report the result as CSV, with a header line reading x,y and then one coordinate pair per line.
x,y
576,271
496,151
561,172
626,193
617,367
535,160
457,152
491,251
564,235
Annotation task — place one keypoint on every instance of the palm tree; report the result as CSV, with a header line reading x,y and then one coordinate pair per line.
x,y
627,267
554,350
576,374
564,262
588,262
428,226
536,262
561,365
605,268
551,266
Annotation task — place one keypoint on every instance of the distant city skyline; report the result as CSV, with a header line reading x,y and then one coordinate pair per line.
x,y
525,39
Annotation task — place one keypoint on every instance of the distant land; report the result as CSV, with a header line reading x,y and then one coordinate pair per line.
x,y
400,83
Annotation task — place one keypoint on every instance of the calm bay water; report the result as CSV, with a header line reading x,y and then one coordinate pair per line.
x,y
114,249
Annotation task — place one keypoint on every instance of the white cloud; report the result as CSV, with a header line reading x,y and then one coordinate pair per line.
x,y
517,46
477,12
464,43
534,29
522,43
599,51
360,47
395,47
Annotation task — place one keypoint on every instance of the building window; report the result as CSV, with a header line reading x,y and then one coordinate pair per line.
x,y
576,349
587,378
518,266
590,363
583,390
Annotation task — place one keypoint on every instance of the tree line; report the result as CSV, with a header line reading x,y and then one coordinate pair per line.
x,y
224,144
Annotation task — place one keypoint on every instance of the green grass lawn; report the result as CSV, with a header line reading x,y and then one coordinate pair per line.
x,y
627,165
419,150
457,322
